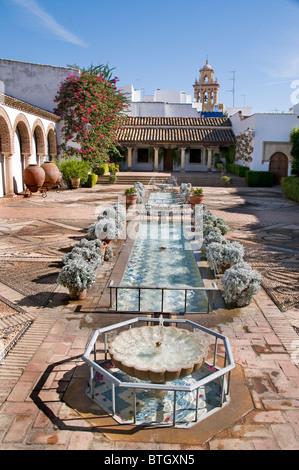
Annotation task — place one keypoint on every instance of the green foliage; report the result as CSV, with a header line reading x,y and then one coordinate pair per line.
x,y
130,191
101,169
196,192
259,178
91,181
237,169
294,138
74,168
228,153
112,178
113,168
290,186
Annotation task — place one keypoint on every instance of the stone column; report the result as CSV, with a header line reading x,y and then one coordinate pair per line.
x,y
183,151
129,158
9,187
27,158
156,159
42,159
209,159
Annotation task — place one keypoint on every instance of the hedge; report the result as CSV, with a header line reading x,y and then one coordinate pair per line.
x,y
237,169
259,178
102,170
91,181
290,186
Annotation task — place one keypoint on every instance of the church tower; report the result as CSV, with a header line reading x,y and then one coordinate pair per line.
x,y
206,89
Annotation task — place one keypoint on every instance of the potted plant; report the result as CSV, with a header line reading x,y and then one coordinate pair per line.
x,y
240,283
223,256
77,275
212,237
226,180
110,225
196,196
75,171
185,190
140,188
88,250
131,196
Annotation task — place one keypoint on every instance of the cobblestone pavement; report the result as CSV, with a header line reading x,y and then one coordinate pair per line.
x,y
38,371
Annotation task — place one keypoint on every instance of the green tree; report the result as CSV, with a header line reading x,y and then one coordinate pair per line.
x,y
93,110
294,138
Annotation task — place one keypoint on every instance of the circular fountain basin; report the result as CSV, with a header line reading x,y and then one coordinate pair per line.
x,y
157,353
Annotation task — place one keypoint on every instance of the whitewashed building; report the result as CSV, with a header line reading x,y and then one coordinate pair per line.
x,y
271,140
29,130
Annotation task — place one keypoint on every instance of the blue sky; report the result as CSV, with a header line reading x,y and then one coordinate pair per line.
x,y
163,44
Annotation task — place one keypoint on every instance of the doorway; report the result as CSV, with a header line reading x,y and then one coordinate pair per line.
x,y
168,160
279,166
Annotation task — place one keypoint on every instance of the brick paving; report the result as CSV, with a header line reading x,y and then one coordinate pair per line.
x,y
37,372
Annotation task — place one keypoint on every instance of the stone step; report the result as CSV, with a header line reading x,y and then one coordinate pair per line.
x,y
198,179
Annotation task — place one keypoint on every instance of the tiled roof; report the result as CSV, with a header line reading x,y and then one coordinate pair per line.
x,y
177,130
15,103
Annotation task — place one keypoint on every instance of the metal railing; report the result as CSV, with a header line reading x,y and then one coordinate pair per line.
x,y
114,299
218,372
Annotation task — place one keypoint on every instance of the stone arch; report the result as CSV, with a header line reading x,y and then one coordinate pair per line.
x,y
21,123
51,141
38,131
279,164
6,133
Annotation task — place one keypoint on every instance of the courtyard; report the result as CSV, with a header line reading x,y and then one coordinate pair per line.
x,y
43,377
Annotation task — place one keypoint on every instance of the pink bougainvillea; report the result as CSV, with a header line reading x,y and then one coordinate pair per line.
x,y
93,111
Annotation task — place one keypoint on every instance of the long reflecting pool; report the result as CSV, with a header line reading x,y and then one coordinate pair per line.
x,y
162,256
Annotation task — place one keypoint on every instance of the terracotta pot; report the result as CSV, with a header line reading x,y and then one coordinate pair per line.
x,y
104,246
75,182
131,199
223,268
53,175
196,200
77,295
34,177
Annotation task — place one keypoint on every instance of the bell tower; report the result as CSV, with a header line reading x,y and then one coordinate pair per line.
x,y
206,89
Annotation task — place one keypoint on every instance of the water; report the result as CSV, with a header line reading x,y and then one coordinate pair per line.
x,y
162,256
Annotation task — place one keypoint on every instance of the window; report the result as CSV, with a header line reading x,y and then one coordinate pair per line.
x,y
195,156
142,156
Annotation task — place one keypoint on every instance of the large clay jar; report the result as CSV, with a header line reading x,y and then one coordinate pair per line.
x,y
34,177
53,175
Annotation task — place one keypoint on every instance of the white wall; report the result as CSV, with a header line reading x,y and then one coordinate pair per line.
x,y
34,83
267,128
154,109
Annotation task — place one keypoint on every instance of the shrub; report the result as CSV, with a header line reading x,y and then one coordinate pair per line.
x,y
259,178
74,169
240,283
102,169
88,250
140,188
185,190
237,169
220,255
91,180
77,274
290,186
112,179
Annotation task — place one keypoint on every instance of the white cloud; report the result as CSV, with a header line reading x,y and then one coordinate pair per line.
x,y
48,21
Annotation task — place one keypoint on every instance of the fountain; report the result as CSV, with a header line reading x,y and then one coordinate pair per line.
x,y
158,353
163,356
